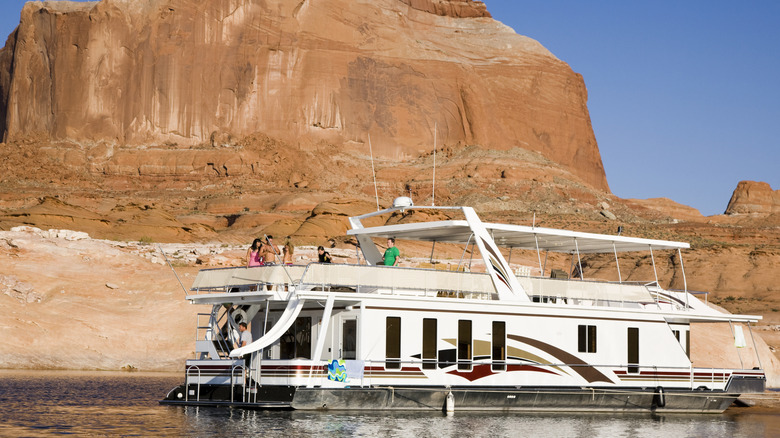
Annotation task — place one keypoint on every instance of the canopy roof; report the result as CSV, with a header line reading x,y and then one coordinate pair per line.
x,y
519,236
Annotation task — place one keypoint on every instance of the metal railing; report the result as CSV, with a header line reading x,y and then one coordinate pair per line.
x,y
396,281
316,372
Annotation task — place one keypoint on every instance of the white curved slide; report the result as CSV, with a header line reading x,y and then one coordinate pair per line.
x,y
285,321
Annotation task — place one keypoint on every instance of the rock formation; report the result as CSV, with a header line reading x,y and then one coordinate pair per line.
x,y
135,73
754,197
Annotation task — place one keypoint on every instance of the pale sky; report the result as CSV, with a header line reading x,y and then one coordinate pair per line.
x,y
684,96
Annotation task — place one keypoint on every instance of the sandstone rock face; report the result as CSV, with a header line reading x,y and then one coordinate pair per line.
x,y
667,207
206,74
754,197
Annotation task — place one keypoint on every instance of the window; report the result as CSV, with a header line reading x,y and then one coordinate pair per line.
x,y
349,339
633,350
393,342
499,346
429,349
464,344
296,341
586,338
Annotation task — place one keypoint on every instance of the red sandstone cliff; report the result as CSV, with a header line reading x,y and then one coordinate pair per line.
x,y
138,73
754,197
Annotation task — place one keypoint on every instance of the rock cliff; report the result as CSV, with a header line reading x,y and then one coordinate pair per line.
x,y
754,197
186,74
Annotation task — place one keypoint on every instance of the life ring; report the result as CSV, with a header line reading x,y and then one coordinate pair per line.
x,y
239,315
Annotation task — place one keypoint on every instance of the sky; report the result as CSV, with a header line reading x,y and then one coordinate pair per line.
x,y
684,96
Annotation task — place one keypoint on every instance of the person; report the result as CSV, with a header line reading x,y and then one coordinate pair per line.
x,y
253,254
245,337
287,252
270,251
286,256
392,254
324,256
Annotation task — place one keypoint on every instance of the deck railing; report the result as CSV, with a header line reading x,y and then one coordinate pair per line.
x,y
586,292
375,372
416,282
396,280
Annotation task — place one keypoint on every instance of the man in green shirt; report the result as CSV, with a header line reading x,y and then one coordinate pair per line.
x,y
392,255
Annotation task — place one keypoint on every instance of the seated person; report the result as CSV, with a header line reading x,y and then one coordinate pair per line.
x,y
324,256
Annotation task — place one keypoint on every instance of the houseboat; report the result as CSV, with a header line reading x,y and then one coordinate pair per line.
x,y
366,336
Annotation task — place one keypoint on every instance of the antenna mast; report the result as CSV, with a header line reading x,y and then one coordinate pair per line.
x,y
433,194
373,173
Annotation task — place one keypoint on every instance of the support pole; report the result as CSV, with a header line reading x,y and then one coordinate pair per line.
x,y
685,281
755,348
731,326
617,262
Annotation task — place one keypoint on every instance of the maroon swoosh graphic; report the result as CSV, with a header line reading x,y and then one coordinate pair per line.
x,y
483,370
582,368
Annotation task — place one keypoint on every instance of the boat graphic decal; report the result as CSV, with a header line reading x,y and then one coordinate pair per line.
x,y
582,368
496,265
518,354
484,370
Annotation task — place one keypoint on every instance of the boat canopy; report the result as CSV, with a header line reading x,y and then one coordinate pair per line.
x,y
519,236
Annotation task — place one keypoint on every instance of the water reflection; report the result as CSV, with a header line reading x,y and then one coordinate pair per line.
x,y
46,403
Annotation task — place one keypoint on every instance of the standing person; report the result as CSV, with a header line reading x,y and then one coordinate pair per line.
x,y
323,256
287,252
392,254
253,254
246,335
270,251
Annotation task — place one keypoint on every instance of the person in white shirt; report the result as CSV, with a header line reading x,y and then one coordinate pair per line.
x,y
246,335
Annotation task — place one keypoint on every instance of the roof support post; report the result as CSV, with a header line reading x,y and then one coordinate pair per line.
x,y
539,256
685,281
733,335
432,248
579,261
617,263
652,258
754,346
321,335
465,248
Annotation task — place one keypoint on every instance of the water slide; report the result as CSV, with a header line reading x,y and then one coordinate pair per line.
x,y
287,319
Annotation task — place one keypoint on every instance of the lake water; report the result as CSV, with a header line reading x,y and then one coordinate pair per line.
x,y
126,404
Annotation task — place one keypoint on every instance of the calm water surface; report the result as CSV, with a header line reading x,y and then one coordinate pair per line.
x,y
99,404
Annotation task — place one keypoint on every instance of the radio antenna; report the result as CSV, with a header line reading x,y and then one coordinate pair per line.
x,y
171,266
433,194
371,151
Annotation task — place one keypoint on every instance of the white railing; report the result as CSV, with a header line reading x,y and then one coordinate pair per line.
x,y
585,292
364,373
395,280
225,279
414,281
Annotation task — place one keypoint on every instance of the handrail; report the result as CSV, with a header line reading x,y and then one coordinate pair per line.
x,y
697,374
243,382
186,386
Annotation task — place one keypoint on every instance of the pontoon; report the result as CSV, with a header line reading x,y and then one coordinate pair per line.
x,y
368,337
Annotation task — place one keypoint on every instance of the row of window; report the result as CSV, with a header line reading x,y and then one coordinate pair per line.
x,y
586,341
430,353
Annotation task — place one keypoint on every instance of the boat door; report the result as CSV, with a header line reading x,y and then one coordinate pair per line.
x,y
348,337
